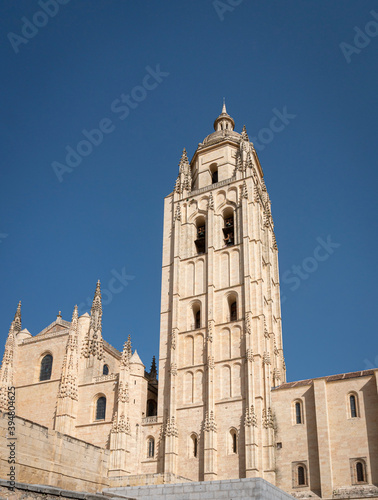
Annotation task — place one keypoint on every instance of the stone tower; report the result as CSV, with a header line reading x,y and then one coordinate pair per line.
x,y
221,342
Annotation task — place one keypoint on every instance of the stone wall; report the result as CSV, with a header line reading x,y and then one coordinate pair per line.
x,y
44,456
228,489
328,440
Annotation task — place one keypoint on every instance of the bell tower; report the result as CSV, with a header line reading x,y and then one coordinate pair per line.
x,y
220,337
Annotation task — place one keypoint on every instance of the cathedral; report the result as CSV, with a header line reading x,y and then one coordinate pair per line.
x,y
218,406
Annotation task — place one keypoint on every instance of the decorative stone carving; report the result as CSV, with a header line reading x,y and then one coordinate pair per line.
x,y
184,178
244,191
123,392
210,362
126,353
68,387
173,369
267,418
210,205
249,355
250,417
171,428
275,247
248,323
124,425
17,320
266,358
210,424
244,134
178,212
210,331
174,338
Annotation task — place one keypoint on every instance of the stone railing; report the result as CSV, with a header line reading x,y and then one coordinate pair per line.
x,y
212,186
149,420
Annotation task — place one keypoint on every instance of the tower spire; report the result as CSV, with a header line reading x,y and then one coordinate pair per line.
x,y
93,343
17,319
224,121
224,110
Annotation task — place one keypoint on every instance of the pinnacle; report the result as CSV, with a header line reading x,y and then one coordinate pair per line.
x,y
17,319
75,313
184,158
244,134
224,110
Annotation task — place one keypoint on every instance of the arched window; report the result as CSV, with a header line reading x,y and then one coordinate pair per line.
x,y
46,367
201,235
360,472
105,370
196,310
151,408
198,319
233,311
232,307
301,476
151,447
298,413
101,408
194,445
233,441
353,406
228,228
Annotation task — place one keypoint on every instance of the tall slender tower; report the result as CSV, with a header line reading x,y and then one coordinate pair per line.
x,y
220,341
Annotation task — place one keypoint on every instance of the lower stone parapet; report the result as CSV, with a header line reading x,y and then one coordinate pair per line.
x,y
249,488
22,491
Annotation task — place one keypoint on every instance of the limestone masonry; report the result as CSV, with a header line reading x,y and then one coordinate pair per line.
x,y
90,417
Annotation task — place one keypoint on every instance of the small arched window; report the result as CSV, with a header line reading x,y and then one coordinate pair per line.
x,y
231,307
198,319
151,447
196,310
360,472
194,445
200,241
301,476
233,441
105,370
214,173
46,367
228,228
233,311
353,406
298,413
101,408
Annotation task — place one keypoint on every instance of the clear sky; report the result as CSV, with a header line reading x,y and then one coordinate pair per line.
x,y
67,67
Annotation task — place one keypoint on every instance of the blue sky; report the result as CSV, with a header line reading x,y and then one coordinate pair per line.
x,y
105,216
